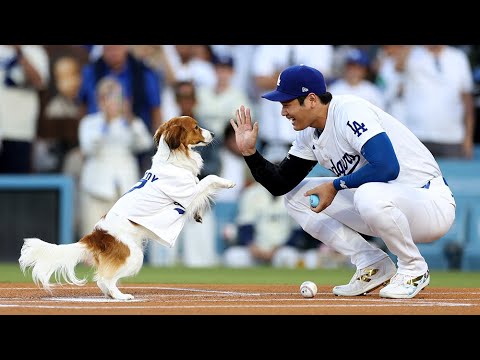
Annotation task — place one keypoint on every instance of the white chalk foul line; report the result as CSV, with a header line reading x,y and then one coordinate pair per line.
x,y
147,288
121,287
90,299
289,306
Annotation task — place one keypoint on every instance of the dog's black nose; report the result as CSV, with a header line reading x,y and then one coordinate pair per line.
x,y
212,133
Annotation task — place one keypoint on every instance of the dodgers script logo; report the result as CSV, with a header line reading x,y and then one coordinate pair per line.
x,y
346,165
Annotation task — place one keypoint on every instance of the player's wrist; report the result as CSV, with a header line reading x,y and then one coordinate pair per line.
x,y
336,184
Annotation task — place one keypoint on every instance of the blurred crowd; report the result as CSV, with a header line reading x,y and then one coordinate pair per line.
x,y
90,112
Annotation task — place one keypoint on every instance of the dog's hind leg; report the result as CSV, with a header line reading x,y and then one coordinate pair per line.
x,y
132,265
101,284
110,285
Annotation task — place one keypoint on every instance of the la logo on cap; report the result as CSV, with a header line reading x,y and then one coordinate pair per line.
x,y
278,80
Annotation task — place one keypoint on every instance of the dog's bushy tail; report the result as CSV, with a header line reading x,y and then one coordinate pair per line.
x,y
47,259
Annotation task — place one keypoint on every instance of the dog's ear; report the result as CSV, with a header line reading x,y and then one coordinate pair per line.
x,y
175,136
158,135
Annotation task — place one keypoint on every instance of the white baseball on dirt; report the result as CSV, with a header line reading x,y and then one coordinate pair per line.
x,y
308,289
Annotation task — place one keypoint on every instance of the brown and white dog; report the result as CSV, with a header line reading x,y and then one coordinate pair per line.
x,y
156,208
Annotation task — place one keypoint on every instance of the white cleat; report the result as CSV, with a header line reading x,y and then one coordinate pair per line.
x,y
405,286
368,279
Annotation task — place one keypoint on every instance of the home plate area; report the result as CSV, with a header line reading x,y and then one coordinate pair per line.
x,y
225,299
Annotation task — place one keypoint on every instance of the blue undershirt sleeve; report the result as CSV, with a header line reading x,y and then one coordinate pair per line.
x,y
382,164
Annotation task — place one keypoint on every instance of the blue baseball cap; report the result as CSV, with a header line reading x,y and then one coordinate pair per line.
x,y
296,81
225,60
357,56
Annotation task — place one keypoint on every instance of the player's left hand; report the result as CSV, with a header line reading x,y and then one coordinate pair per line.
x,y
326,193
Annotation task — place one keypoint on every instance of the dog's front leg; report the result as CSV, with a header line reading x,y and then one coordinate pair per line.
x,y
216,182
206,188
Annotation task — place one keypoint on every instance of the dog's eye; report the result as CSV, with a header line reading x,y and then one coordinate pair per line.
x,y
196,127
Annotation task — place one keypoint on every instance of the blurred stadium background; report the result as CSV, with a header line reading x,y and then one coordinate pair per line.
x,y
41,193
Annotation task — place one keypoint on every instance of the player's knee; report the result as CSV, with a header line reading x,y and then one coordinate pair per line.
x,y
368,203
293,204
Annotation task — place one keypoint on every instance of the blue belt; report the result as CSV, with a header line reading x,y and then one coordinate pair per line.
x,y
427,185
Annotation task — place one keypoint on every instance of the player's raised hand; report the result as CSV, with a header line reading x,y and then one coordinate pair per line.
x,y
245,132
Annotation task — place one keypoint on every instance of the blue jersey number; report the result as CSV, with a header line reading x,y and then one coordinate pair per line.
x,y
141,183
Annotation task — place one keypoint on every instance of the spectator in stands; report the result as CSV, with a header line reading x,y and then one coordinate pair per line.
x,y
154,56
242,56
438,85
354,80
215,106
390,81
268,61
24,71
140,83
58,130
67,79
109,140
204,52
185,66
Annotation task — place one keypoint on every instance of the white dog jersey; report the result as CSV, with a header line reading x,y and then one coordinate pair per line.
x,y
159,201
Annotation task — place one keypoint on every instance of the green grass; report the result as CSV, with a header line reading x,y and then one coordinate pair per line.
x,y
10,272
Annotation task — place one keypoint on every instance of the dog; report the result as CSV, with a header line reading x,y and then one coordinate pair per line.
x,y
155,208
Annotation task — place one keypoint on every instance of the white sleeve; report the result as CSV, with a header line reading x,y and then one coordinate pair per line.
x,y
357,124
178,186
301,146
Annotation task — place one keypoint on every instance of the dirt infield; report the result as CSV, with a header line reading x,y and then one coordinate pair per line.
x,y
194,299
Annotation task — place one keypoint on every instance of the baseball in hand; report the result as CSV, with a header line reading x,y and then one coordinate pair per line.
x,y
314,200
308,289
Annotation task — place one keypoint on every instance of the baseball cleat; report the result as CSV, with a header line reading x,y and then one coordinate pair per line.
x,y
405,286
368,279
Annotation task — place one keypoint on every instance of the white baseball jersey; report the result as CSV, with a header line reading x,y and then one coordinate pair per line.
x,y
159,200
417,206
351,122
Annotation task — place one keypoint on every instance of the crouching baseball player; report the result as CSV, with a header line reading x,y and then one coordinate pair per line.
x,y
386,184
